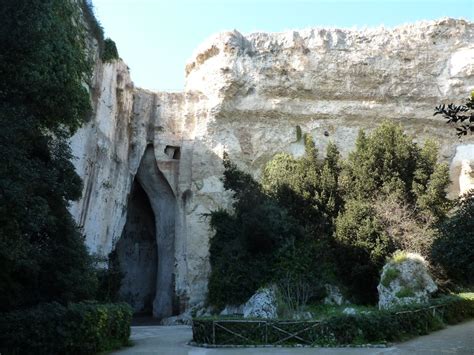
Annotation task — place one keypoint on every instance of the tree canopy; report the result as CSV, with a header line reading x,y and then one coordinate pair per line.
x,y
43,100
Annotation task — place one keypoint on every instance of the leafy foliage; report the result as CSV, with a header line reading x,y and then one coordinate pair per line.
x,y
386,177
307,188
244,245
278,231
109,279
80,328
94,27
458,115
43,100
327,219
375,327
110,52
454,248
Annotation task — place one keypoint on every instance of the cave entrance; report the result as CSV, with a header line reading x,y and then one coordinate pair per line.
x,y
137,253
145,250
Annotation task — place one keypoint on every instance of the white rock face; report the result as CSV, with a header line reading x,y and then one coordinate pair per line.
x,y
262,304
405,282
466,177
247,95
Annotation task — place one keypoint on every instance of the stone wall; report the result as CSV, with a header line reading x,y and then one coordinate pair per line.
x,y
249,95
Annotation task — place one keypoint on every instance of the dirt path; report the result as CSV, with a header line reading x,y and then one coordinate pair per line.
x,y
458,339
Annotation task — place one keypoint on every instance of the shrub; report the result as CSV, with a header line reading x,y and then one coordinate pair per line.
x,y
110,279
364,328
80,328
278,231
94,26
110,52
454,247
43,100
243,249
362,249
390,275
394,194
405,292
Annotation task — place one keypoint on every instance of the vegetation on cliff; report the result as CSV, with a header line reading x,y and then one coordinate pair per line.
x,y
43,100
45,69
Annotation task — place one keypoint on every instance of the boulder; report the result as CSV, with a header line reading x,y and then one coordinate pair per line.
x,y
230,310
303,316
405,280
182,319
263,304
349,311
334,296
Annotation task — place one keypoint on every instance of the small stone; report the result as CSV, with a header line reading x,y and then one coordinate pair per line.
x,y
349,311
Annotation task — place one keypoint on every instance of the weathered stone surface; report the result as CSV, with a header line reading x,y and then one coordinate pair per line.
x,y
405,280
232,310
247,95
349,311
182,319
334,296
263,304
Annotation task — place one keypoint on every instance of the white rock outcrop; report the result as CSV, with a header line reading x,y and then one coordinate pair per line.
x,y
249,95
405,280
263,304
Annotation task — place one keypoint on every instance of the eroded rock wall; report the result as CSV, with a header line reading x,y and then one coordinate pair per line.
x,y
248,95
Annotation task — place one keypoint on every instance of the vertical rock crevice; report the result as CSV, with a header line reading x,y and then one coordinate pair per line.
x,y
146,248
163,204
137,253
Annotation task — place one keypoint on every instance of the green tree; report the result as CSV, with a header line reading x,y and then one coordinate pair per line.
x,y
43,100
244,247
454,247
362,246
387,175
306,187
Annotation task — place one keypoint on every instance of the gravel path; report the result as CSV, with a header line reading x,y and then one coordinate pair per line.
x,y
458,339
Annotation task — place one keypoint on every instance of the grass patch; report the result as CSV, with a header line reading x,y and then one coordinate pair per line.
x,y
405,292
389,275
399,257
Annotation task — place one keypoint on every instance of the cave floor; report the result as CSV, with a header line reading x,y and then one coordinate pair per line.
x,y
458,339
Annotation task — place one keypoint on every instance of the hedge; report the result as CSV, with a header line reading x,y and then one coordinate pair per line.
x,y
79,328
365,328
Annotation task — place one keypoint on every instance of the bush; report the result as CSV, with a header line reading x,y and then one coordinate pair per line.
x,y
79,328
43,101
110,52
278,231
362,248
365,328
394,195
454,248
109,279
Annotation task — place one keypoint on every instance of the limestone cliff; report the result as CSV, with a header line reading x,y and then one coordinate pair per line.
x,y
249,95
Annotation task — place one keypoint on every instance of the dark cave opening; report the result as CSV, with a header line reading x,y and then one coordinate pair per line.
x,y
137,253
146,248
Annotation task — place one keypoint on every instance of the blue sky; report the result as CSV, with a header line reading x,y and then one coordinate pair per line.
x,y
157,37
